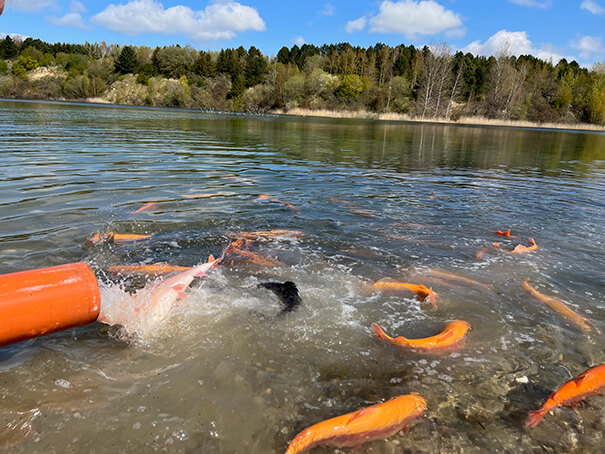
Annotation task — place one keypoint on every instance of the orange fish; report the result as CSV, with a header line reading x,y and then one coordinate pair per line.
x,y
420,290
362,212
266,234
520,249
590,382
148,206
199,196
264,197
456,277
342,202
153,269
251,256
506,234
560,307
449,338
353,429
112,237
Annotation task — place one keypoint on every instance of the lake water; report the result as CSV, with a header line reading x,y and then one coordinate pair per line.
x,y
225,373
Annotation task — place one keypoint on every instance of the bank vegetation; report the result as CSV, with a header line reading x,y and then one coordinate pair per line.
x,y
383,82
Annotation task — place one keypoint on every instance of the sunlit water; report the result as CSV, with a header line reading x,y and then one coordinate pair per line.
x,y
225,373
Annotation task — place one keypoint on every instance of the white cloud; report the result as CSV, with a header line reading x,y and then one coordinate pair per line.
x,y
220,20
533,3
328,10
73,18
77,7
412,17
592,6
14,36
513,43
356,25
589,46
299,40
29,5
69,20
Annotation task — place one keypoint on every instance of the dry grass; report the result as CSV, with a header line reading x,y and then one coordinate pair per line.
x,y
473,121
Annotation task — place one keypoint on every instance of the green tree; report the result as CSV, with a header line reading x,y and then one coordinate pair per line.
x,y
3,68
77,87
256,67
350,87
8,49
283,56
204,65
173,61
127,61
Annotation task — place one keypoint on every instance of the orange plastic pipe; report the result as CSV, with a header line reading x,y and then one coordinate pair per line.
x,y
43,301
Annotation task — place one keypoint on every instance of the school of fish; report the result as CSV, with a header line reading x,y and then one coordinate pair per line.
x,y
383,419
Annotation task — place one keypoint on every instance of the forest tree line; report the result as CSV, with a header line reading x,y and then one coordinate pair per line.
x,y
428,82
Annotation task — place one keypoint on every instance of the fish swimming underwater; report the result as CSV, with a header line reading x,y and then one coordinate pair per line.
x,y
200,196
151,270
116,238
560,307
353,429
147,207
264,235
286,292
465,280
423,292
590,382
252,257
451,337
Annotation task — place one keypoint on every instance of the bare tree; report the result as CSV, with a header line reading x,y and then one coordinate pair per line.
x,y
435,80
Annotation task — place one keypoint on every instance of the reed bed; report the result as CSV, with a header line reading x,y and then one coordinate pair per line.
x,y
472,121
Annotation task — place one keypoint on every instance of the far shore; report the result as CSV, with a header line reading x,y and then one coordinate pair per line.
x,y
361,115
464,121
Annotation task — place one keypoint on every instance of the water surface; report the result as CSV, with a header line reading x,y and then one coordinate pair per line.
x,y
225,373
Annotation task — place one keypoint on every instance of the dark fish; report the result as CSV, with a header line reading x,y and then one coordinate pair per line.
x,y
286,292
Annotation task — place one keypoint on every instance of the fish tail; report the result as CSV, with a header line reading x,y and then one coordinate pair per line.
x,y
228,250
379,332
534,418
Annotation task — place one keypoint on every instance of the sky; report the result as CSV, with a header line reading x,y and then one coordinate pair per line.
x,y
571,29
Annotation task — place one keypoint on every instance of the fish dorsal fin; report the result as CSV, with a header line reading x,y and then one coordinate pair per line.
x,y
362,414
211,258
446,334
580,379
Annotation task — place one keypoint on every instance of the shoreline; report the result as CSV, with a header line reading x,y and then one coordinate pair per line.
x,y
347,115
462,121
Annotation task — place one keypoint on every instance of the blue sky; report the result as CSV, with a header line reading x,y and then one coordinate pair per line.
x,y
574,29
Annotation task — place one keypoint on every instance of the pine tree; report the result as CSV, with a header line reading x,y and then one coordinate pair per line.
x,y
8,49
127,61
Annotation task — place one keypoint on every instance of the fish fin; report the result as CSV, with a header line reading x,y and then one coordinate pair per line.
x,y
200,274
178,288
405,429
181,295
379,332
361,414
432,298
210,258
446,335
534,418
